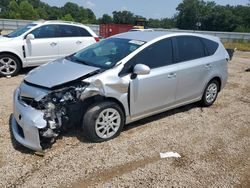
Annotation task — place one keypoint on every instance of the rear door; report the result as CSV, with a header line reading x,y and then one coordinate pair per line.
x,y
44,47
152,92
72,39
194,67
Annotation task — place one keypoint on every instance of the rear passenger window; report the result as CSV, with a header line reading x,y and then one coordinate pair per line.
x,y
211,46
189,48
68,31
72,31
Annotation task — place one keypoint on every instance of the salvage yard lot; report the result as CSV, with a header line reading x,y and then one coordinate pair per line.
x,y
214,144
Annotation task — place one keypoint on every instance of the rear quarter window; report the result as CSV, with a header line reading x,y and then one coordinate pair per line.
x,y
84,32
210,45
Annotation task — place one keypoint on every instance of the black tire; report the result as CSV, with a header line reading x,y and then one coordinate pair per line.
x,y
90,118
205,101
14,62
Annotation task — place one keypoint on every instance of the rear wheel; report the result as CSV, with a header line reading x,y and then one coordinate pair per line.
x,y
103,121
210,94
9,65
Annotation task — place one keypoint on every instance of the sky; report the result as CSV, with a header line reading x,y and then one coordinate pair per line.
x,y
147,8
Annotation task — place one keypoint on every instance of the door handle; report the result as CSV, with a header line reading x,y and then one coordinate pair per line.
x,y
78,42
172,75
53,44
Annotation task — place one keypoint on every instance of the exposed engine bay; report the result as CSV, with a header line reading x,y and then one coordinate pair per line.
x,y
62,109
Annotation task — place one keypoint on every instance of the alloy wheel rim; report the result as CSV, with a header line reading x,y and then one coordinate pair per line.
x,y
7,65
108,123
211,92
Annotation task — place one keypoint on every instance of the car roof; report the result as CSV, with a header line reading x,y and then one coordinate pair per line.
x,y
149,36
41,22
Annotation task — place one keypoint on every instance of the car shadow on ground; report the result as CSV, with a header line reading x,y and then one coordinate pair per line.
x,y
77,132
161,116
25,70
144,121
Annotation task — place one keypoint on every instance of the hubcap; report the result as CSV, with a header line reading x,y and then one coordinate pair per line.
x,y
211,92
7,65
108,123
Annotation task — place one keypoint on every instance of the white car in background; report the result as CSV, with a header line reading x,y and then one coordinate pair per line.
x,y
148,30
41,42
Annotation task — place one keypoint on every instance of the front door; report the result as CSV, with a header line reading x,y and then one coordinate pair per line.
x,y
44,48
155,91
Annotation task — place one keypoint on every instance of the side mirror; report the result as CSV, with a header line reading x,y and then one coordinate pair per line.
x,y
141,69
30,37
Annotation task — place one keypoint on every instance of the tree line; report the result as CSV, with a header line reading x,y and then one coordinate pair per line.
x,y
191,14
35,9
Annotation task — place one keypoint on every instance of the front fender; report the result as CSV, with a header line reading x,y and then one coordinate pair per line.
x,y
18,53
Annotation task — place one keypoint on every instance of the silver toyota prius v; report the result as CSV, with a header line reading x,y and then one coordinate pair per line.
x,y
114,82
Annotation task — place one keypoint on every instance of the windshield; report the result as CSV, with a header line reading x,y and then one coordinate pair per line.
x,y
20,31
106,53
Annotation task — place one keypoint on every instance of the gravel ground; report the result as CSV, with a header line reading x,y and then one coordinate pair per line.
x,y
214,144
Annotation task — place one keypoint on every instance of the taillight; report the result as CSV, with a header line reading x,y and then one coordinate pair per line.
x,y
97,39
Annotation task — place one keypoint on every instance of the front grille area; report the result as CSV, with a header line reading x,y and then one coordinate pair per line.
x,y
20,130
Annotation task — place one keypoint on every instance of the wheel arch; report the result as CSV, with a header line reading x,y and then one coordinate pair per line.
x,y
218,79
98,98
13,54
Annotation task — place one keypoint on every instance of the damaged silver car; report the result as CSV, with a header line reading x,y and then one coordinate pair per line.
x,y
117,81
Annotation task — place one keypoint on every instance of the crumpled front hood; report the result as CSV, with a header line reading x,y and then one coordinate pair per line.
x,y
58,72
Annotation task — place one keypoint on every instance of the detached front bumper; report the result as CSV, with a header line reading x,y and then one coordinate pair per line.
x,y
25,124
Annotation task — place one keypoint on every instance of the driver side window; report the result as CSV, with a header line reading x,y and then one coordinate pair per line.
x,y
46,31
156,55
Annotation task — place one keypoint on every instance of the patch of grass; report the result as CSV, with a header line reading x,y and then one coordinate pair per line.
x,y
240,45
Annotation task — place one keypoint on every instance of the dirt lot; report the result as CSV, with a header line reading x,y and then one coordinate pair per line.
x,y
214,144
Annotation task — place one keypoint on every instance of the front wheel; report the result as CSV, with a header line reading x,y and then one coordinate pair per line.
x,y
103,121
210,94
9,65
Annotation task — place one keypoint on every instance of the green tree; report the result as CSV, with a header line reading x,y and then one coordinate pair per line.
x,y
105,19
123,17
91,16
168,23
4,8
198,14
27,11
243,16
189,14
154,23
71,8
42,13
68,17
13,10
54,13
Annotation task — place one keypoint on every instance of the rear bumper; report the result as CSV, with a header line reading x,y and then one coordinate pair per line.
x,y
25,124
